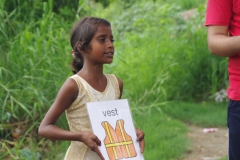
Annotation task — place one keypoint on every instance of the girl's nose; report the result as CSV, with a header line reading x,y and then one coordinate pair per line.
x,y
110,44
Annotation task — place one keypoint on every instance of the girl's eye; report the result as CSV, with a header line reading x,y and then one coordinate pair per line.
x,y
101,39
112,40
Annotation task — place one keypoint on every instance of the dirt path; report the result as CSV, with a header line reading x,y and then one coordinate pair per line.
x,y
207,146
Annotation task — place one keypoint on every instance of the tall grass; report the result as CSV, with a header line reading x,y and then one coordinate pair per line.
x,y
34,64
31,73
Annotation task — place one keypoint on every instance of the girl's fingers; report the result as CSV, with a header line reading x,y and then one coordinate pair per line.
x,y
97,141
141,144
140,139
140,134
96,149
99,153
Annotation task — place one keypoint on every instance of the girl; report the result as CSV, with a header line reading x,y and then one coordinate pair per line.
x,y
92,44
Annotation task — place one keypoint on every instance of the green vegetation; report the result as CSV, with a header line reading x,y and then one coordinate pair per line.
x,y
202,114
162,59
165,137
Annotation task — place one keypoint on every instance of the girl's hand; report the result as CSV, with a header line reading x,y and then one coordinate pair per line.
x,y
140,139
92,141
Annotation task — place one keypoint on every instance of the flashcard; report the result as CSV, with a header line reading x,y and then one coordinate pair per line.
x,y
112,123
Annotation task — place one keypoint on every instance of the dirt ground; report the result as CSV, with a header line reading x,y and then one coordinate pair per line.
x,y
207,146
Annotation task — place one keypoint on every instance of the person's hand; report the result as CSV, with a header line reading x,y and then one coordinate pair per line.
x,y
140,139
92,142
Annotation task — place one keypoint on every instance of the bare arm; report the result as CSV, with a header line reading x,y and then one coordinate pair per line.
x,y
65,97
48,129
220,44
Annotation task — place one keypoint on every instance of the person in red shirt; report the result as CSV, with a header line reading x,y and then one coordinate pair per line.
x,y
223,26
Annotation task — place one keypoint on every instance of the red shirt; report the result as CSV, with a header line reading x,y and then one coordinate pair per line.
x,y
227,13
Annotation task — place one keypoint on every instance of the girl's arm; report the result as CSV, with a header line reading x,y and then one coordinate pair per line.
x,y
48,129
64,99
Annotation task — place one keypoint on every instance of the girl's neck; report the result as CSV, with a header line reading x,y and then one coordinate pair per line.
x,y
95,77
93,73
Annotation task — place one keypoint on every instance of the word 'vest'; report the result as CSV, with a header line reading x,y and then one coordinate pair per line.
x,y
110,112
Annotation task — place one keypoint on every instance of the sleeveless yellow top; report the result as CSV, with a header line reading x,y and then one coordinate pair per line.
x,y
77,115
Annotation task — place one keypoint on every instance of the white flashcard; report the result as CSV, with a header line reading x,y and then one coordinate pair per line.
x,y
112,123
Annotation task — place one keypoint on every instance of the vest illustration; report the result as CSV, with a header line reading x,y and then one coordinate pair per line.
x,y
118,143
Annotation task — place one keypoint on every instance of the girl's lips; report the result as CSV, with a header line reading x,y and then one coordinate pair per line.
x,y
109,53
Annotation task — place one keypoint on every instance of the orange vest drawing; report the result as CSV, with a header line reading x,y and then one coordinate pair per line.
x,y
118,143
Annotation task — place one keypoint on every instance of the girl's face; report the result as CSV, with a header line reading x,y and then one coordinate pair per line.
x,y
101,46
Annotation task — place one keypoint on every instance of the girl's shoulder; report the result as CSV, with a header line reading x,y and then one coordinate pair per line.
x,y
68,92
77,79
70,83
117,81
112,76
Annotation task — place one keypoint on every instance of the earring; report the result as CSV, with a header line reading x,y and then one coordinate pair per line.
x,y
73,54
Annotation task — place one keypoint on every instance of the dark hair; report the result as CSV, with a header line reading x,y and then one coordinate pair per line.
x,y
83,32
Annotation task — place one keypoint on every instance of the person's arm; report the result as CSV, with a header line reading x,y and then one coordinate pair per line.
x,y
65,97
220,44
48,129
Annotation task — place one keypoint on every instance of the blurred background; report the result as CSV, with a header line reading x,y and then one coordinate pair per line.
x,y
161,54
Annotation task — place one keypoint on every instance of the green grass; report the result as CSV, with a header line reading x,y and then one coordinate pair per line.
x,y
185,4
164,137
205,114
226,158
166,126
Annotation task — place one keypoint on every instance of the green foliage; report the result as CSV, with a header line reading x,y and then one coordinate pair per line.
x,y
140,61
202,74
185,4
135,21
171,48
165,137
26,67
203,114
226,158
29,9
